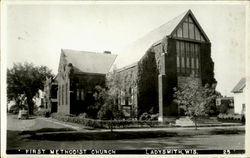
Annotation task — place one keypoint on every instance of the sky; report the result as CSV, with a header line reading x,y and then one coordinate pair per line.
x,y
37,33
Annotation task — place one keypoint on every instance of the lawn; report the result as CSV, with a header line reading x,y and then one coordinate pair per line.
x,y
67,134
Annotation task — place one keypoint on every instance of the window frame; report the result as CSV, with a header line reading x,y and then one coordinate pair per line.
x,y
192,54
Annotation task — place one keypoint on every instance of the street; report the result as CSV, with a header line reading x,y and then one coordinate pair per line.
x,y
18,139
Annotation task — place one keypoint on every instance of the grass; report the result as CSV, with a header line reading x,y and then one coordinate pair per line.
x,y
74,136
42,130
225,132
120,135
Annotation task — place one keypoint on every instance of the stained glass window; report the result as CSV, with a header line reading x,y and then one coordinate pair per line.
x,y
188,58
189,30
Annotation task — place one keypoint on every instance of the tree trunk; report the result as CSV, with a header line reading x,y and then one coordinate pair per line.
x,y
30,105
195,122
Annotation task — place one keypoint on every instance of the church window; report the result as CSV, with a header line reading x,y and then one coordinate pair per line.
x,y
188,58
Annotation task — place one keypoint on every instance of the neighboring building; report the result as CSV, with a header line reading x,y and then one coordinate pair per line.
x,y
173,55
239,97
227,102
79,73
50,97
38,99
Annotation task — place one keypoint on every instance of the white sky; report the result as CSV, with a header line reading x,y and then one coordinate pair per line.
x,y
36,33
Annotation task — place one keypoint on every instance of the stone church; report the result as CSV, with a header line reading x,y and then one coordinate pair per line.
x,y
79,72
175,54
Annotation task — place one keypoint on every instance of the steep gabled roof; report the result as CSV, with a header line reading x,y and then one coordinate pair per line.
x,y
89,62
134,51
240,86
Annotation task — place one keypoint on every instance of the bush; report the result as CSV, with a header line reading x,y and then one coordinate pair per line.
x,y
108,124
14,109
43,112
154,117
149,117
83,115
109,112
223,108
230,116
144,116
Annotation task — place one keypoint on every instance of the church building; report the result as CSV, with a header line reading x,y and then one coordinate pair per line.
x,y
79,73
175,54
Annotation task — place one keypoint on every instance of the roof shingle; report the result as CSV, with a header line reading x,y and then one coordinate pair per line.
x,y
240,86
89,62
134,51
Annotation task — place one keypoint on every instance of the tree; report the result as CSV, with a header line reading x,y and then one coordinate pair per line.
x,y
196,101
26,79
105,102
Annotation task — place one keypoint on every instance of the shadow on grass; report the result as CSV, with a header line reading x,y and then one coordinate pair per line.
x,y
227,131
74,136
46,130
13,139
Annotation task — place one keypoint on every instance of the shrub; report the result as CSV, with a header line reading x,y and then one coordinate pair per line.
x,y
43,112
223,108
149,117
109,111
83,115
154,117
144,116
105,123
230,116
14,109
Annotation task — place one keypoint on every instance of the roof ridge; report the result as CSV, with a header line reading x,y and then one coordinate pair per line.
x,y
162,25
89,62
239,86
82,51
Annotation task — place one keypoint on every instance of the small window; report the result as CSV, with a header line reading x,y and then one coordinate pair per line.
x,y
82,94
178,55
126,111
77,94
190,20
191,31
123,99
202,39
186,19
185,30
66,96
243,108
59,95
63,95
197,34
179,32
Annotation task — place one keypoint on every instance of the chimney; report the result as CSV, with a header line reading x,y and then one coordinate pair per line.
x,y
107,52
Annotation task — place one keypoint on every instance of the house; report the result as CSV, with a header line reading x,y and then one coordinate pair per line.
x,y
38,99
79,72
239,97
50,96
227,103
173,55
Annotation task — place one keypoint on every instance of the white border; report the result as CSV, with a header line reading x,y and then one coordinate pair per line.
x,y
4,5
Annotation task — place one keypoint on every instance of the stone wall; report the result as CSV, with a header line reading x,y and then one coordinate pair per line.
x,y
128,86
